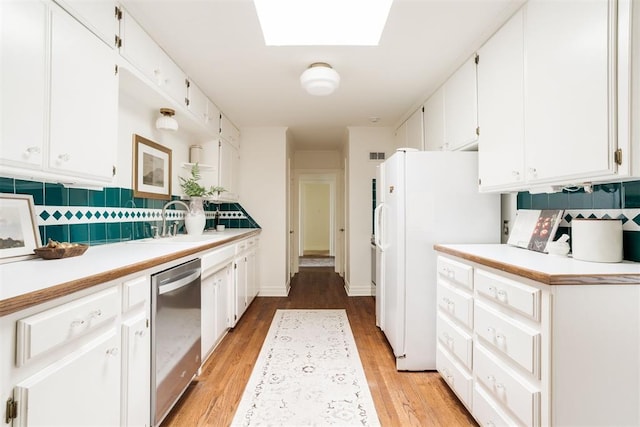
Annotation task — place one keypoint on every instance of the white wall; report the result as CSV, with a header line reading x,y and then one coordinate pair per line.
x,y
360,172
262,186
317,160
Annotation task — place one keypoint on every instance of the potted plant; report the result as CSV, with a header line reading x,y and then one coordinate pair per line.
x,y
195,219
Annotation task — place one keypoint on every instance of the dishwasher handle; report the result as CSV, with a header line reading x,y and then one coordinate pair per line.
x,y
178,282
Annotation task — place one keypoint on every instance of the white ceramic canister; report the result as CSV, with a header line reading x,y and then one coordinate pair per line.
x,y
195,154
597,240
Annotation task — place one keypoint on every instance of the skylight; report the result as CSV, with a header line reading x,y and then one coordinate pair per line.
x,y
322,22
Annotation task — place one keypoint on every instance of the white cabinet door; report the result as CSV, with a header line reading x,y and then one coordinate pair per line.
x,y
500,108
223,286
84,101
81,389
461,107
434,121
213,118
136,375
198,102
172,79
229,160
208,313
568,114
23,112
240,287
415,130
97,15
139,48
252,276
229,132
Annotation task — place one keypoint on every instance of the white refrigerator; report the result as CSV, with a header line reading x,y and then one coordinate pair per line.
x,y
428,197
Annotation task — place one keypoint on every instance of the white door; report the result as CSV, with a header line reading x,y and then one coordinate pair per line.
x,y
81,389
240,287
434,121
461,107
208,314
222,282
393,246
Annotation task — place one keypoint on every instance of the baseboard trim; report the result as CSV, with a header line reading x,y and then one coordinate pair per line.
x,y
275,291
357,291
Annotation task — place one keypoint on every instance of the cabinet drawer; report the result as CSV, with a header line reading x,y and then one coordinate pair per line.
x,y
510,337
456,272
213,261
455,340
507,388
455,376
456,304
38,333
486,413
517,296
136,291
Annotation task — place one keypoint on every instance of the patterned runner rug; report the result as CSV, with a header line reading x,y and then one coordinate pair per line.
x,y
308,373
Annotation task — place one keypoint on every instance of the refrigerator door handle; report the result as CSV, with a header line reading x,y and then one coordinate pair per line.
x,y
377,215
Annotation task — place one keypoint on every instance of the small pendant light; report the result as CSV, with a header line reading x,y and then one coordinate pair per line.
x,y
166,120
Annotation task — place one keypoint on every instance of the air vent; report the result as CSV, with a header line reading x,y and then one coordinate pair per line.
x,y
376,156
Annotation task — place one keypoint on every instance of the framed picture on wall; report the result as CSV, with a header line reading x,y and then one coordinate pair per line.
x,y
151,169
19,234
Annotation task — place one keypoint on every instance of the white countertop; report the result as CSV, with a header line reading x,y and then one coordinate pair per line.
x,y
550,269
34,275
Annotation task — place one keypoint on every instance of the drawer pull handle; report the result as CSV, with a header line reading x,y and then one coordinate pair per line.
x,y
140,333
112,351
76,323
491,330
491,379
502,295
490,424
94,314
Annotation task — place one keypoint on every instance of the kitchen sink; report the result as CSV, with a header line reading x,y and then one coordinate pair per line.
x,y
180,238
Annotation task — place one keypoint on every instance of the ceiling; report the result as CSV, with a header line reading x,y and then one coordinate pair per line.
x,y
219,44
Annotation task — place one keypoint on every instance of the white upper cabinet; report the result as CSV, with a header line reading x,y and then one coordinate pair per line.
x,y
229,132
500,107
228,164
100,16
553,88
415,130
84,101
59,97
202,108
410,134
461,107
148,58
569,90
23,97
434,121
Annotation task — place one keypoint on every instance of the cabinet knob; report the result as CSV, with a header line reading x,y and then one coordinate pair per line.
x,y
140,333
31,151
533,172
63,158
112,351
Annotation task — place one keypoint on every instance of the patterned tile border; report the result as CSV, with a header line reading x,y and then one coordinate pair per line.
x,y
630,217
67,215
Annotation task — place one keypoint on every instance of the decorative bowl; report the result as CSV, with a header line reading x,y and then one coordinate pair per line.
x,y
57,253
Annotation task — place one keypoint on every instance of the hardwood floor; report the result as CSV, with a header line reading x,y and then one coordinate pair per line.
x,y
401,398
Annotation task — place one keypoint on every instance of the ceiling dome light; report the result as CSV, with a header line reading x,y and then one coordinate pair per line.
x,y
320,79
166,120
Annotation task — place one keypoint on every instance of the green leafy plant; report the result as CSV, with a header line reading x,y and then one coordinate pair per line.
x,y
192,188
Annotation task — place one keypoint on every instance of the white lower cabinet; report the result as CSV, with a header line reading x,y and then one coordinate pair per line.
x,y
79,361
246,284
542,355
215,308
80,389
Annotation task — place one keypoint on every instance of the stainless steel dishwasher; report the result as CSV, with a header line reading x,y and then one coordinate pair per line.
x,y
175,329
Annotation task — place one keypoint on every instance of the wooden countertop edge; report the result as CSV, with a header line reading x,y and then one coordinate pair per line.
x,y
548,279
11,305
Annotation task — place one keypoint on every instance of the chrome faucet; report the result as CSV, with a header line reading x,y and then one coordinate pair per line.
x,y
164,215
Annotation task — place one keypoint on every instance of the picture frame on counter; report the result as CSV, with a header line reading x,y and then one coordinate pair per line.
x,y
151,169
19,233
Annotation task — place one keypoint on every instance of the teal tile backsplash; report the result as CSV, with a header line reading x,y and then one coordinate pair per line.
x,y
111,215
612,200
